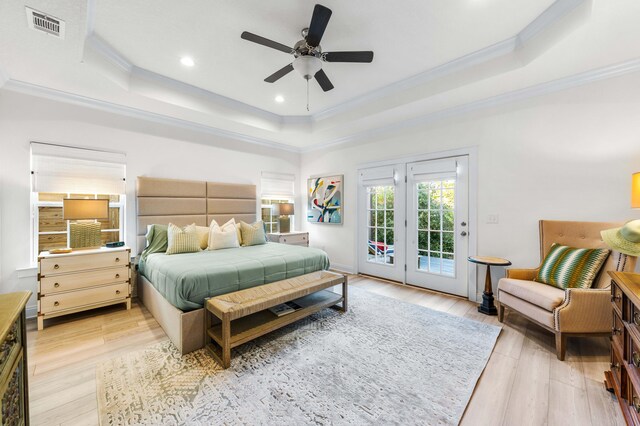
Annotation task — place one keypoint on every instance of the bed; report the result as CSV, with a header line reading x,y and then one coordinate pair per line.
x,y
173,288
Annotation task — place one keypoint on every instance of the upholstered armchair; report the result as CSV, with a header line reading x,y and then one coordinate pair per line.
x,y
570,312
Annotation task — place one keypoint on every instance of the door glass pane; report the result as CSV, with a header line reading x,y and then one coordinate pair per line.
x,y
435,226
380,208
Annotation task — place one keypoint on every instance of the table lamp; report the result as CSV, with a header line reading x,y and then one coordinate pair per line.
x,y
85,232
284,210
635,191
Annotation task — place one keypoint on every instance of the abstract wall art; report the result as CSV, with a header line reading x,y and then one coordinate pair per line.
x,y
325,199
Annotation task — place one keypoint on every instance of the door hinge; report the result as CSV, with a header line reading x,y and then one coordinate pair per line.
x,y
405,178
405,223
405,267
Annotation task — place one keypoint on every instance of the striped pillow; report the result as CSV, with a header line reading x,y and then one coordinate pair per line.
x,y
183,240
253,235
569,267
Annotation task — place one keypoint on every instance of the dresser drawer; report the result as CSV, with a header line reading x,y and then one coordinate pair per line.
x,y
616,296
79,280
617,331
64,264
634,403
300,239
11,345
65,301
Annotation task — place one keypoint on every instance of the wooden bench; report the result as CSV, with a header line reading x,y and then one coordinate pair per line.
x,y
236,318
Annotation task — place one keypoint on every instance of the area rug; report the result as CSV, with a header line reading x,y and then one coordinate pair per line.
x,y
383,362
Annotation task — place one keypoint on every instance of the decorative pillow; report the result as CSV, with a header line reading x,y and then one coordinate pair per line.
x,y
203,236
231,224
182,240
223,238
157,240
569,267
253,235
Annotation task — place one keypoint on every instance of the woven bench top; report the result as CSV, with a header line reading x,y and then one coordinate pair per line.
x,y
246,302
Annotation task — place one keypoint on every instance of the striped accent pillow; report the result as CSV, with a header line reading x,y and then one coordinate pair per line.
x,y
253,235
569,267
183,240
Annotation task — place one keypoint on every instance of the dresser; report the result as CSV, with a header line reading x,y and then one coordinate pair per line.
x,y
14,390
624,376
82,280
292,238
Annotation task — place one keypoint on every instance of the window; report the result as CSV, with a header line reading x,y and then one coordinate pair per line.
x,y
60,172
275,188
51,231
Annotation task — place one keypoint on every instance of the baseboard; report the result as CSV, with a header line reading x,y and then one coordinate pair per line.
x,y
343,268
31,311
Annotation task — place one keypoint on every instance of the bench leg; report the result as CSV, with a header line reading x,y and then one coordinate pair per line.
x,y
226,342
345,294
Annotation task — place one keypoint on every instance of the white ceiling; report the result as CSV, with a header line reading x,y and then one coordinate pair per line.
x,y
430,56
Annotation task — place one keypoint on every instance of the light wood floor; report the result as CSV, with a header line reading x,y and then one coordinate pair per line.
x,y
523,384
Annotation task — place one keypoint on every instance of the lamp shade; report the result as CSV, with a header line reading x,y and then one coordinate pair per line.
x,y
635,191
283,209
79,209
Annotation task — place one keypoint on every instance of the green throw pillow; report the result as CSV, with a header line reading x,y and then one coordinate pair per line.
x,y
183,240
253,235
569,267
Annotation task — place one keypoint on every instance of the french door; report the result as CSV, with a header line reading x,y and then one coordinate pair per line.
x,y
437,225
413,223
381,215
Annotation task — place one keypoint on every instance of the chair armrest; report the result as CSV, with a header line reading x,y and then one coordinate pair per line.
x,y
584,310
522,274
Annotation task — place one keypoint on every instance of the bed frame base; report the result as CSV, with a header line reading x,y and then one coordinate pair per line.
x,y
184,329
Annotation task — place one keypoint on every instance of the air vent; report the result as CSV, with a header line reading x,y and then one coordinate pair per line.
x,y
46,23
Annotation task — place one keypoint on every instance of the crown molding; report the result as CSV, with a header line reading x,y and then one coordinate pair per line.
x,y
554,13
71,98
537,90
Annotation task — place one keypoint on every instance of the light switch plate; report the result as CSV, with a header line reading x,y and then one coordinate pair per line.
x,y
493,219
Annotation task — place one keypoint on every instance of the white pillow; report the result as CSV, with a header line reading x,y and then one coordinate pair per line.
x,y
223,238
231,224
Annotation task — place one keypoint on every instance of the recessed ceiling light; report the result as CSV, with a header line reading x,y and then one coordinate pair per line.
x,y
279,99
187,61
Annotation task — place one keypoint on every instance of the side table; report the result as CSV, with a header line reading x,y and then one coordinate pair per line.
x,y
488,307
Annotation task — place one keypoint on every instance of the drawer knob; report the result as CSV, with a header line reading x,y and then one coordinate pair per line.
x,y
635,359
636,318
56,303
56,285
616,298
615,365
615,330
117,259
56,266
117,275
284,239
636,404
117,291
11,338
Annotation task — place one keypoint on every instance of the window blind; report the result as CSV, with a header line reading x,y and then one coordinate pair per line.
x,y
63,169
378,176
277,185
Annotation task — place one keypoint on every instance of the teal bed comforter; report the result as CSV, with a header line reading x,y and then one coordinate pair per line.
x,y
185,280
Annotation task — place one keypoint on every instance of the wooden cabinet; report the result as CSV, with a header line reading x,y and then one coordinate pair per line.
x,y
82,280
624,376
14,389
292,238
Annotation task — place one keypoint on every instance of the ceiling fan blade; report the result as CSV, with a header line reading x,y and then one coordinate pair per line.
x,y
318,24
364,56
279,74
323,81
266,42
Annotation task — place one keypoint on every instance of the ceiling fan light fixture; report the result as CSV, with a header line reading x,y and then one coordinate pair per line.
x,y
307,66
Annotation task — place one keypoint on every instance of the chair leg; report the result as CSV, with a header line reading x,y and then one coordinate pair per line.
x,y
561,345
500,312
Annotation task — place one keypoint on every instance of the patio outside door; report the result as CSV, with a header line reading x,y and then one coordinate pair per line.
x,y
437,224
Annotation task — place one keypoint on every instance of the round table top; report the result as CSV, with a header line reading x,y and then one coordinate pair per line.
x,y
488,260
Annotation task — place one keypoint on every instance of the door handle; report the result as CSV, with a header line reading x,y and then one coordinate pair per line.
x,y
463,233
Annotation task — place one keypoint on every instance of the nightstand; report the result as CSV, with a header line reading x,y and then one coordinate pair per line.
x,y
292,238
82,280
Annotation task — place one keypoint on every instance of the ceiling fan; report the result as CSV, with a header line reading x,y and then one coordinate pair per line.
x,y
307,52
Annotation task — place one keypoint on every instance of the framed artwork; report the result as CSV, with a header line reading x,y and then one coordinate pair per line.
x,y
325,199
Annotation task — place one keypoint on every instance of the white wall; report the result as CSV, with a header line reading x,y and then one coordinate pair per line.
x,y
151,149
566,156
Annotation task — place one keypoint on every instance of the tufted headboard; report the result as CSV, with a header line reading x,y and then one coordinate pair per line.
x,y
183,202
